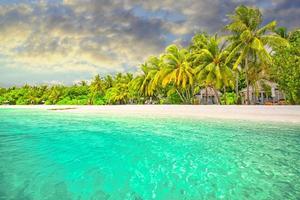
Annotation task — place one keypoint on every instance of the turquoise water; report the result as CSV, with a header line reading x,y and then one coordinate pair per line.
x,y
51,155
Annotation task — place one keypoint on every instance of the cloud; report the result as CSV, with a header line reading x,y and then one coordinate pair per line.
x,y
73,39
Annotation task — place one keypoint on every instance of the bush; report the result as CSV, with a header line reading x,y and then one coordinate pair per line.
x,y
229,98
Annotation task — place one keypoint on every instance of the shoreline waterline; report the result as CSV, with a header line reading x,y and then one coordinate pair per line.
x,y
234,112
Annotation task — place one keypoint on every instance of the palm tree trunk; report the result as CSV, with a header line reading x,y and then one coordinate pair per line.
x,y
206,95
248,92
217,95
237,87
224,89
247,81
193,95
181,97
254,92
188,96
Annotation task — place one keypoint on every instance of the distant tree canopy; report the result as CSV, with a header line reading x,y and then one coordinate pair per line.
x,y
248,54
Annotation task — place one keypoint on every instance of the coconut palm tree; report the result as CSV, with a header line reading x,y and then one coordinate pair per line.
x,y
141,83
249,41
177,70
147,82
96,88
199,41
118,78
108,81
97,85
118,94
55,94
211,67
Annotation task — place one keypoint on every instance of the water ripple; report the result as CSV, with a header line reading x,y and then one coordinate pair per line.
x,y
46,155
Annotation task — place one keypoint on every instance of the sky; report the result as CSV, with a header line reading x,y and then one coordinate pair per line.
x,y
64,41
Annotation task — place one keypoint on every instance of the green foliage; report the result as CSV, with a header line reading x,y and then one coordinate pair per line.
x,y
2,100
229,98
286,68
117,94
99,101
79,100
173,98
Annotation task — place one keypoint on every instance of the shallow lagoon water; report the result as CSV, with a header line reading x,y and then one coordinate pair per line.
x,y
53,155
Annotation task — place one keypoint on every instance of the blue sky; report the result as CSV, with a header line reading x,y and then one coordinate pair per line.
x,y
63,41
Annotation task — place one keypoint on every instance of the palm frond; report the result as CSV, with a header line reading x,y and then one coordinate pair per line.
x,y
269,27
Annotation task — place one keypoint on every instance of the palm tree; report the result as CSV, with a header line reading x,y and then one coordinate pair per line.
x,y
118,94
97,89
147,82
211,67
97,85
56,93
108,81
177,71
249,41
118,78
142,82
199,41
127,77
119,90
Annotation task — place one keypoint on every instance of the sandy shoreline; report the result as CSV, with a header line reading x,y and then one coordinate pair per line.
x,y
257,113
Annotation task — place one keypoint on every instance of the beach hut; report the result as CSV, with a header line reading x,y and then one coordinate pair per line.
x,y
263,93
207,96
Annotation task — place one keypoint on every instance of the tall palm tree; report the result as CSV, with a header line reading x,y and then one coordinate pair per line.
x,y
177,71
96,88
97,85
118,94
249,41
147,82
56,93
199,41
211,67
141,83
118,78
108,81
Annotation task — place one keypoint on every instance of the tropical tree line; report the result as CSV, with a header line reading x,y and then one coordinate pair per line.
x,y
247,55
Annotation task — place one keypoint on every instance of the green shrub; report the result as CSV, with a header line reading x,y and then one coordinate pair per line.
x,y
229,98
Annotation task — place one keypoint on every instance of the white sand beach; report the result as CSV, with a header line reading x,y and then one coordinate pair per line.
x,y
257,113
